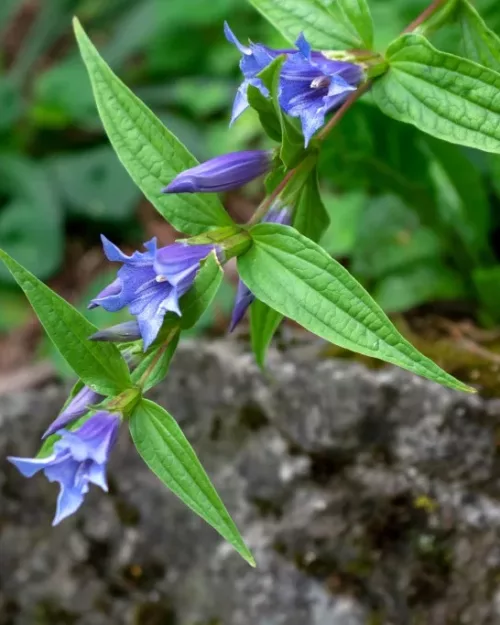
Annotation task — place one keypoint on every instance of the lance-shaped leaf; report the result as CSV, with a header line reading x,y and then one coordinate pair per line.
x,y
264,321
167,452
311,219
151,154
441,94
321,21
479,43
299,279
99,365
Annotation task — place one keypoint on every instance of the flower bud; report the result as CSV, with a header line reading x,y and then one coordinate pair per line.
x,y
222,173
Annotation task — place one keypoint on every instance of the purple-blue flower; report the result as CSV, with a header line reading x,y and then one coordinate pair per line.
x,y
311,85
244,297
76,408
150,283
79,458
222,173
254,58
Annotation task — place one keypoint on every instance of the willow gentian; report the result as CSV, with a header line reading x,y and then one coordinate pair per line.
x,y
244,297
150,283
79,458
254,58
311,85
222,173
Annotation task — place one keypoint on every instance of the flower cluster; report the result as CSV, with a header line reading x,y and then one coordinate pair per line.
x,y
151,283
310,84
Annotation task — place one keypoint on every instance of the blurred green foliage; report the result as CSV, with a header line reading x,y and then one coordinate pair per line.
x,y
415,219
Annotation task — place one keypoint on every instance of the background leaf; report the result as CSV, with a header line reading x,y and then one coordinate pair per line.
x,y
95,185
297,278
167,452
149,152
31,226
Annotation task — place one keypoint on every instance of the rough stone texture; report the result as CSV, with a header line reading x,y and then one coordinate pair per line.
x,y
368,498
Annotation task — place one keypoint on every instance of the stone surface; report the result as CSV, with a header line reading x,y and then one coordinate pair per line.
x,y
367,497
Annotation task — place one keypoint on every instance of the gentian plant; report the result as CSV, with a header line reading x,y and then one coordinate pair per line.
x,y
300,93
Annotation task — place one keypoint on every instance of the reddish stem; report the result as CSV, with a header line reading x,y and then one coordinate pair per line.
x,y
432,8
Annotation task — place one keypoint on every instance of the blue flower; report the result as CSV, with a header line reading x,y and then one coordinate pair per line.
x,y
254,58
79,459
76,408
244,297
311,85
222,173
150,283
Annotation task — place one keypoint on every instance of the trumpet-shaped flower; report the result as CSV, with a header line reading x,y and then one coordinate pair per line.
x,y
254,58
79,459
311,85
150,283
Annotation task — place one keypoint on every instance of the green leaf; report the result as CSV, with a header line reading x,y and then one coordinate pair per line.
x,y
266,110
155,363
300,280
390,236
479,43
345,213
99,365
357,14
11,103
463,204
149,152
37,242
486,282
310,216
417,284
264,321
311,219
443,95
94,184
291,137
320,20
167,452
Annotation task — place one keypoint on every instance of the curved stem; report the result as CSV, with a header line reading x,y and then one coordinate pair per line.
x,y
268,201
424,16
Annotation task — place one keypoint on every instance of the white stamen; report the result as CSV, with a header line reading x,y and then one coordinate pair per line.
x,y
161,279
319,82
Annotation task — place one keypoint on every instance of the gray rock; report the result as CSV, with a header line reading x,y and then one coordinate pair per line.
x,y
367,497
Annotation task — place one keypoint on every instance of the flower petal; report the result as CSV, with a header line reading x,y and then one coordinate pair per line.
x,y
68,502
244,297
29,466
